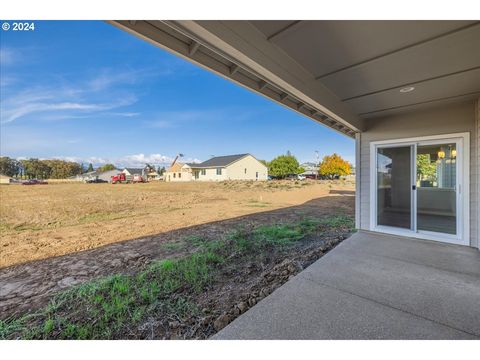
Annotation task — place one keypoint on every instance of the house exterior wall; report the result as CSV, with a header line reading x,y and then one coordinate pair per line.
x,y
175,176
454,118
5,180
236,170
210,175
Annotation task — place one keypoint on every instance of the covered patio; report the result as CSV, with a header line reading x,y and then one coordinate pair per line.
x,y
373,286
408,93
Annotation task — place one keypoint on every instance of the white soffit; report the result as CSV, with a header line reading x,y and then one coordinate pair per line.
x,y
339,73
193,42
366,63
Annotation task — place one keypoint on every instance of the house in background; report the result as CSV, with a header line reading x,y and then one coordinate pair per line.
x,y
152,175
96,175
406,91
219,168
178,172
134,171
311,170
147,173
4,179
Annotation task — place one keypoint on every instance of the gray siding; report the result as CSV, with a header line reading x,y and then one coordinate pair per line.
x,y
454,118
476,204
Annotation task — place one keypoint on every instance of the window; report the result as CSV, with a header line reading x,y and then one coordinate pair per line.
x,y
204,171
219,171
245,170
174,175
179,175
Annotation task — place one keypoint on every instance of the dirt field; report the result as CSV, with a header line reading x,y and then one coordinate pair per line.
x,y
205,254
39,222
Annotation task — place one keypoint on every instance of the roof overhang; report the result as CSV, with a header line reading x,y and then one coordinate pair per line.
x,y
339,73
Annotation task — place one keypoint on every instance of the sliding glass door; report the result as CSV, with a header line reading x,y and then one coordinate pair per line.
x,y
394,179
417,187
437,188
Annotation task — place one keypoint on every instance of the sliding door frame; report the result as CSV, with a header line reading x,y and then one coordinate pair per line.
x,y
462,237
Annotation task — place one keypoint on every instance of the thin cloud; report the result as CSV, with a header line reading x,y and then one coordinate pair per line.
x,y
124,114
160,124
60,101
7,56
133,160
109,77
170,119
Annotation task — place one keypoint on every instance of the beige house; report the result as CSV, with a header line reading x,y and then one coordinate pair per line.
x,y
178,172
406,91
219,168
6,179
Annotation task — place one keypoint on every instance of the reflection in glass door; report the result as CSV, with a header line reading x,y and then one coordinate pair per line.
x,y
394,181
436,188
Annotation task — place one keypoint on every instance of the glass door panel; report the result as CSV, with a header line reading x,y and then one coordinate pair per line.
x,y
394,184
436,188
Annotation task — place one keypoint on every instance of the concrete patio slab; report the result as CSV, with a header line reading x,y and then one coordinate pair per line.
x,y
373,286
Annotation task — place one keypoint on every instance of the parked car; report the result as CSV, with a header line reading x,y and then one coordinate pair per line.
x,y
34,182
295,177
95,181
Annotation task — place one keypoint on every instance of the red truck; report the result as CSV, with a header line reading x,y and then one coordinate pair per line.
x,y
122,178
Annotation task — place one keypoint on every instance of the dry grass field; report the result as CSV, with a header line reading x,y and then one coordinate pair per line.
x,y
38,222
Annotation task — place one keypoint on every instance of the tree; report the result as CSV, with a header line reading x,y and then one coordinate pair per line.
x,y
333,166
426,169
106,167
60,169
45,169
161,170
284,165
9,167
90,167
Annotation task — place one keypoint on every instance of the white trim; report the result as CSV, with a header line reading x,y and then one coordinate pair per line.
x,y
463,195
477,132
477,153
422,138
413,180
358,166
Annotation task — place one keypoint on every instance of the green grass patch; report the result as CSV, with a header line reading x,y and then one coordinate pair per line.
x,y
114,306
12,326
173,246
103,308
102,216
195,240
21,227
269,236
281,236
343,222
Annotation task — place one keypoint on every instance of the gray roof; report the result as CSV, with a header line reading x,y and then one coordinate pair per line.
x,y
92,174
219,161
134,170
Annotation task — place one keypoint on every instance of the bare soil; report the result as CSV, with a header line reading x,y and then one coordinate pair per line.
x,y
170,214
38,222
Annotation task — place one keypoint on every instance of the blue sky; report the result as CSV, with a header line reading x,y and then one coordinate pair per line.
x,y
89,92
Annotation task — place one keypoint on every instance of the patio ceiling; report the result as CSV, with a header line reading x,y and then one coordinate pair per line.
x,y
339,73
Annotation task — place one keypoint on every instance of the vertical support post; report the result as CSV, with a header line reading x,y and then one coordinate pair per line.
x,y
358,169
477,154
